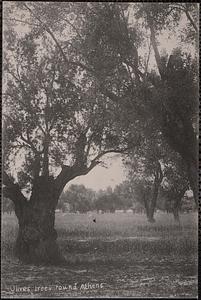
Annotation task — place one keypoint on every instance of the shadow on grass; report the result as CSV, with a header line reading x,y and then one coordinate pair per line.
x,y
131,256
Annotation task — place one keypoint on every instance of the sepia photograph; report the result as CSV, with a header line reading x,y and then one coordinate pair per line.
x,y
100,115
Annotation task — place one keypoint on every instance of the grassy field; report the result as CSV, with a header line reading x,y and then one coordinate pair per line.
x,y
118,255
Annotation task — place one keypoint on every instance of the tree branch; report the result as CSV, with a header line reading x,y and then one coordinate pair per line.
x,y
57,43
29,143
184,8
68,173
26,141
20,21
26,106
148,57
156,52
160,174
191,20
104,90
75,29
13,191
96,161
45,169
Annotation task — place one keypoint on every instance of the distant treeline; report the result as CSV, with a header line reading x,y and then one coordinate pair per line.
x,y
80,199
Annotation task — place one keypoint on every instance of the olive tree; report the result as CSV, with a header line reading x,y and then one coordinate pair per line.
x,y
57,126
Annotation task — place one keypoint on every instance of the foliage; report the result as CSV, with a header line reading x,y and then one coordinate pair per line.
x,y
79,198
125,192
84,88
107,201
54,114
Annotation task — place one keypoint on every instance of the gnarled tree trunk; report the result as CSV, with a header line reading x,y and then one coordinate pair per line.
x,y
36,240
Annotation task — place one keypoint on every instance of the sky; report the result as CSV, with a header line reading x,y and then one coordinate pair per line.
x,y
102,177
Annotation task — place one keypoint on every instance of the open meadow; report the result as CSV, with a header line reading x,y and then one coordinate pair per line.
x,y
109,255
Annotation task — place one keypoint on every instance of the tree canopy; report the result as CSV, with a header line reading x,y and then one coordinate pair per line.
x,y
54,113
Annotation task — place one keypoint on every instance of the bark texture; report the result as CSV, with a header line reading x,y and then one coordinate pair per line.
x,y
36,240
